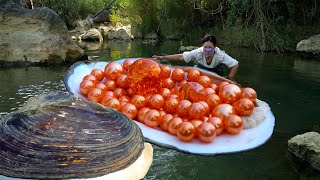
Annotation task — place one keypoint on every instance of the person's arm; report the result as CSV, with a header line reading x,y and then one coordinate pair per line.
x,y
174,57
233,71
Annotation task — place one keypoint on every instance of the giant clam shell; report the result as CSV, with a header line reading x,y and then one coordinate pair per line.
x,y
59,136
259,125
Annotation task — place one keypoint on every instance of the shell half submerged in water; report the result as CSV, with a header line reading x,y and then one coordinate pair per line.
x,y
58,135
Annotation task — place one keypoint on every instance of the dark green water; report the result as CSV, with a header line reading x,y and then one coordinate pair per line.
x,y
289,84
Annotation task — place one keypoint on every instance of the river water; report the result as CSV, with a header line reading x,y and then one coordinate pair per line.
x,y
288,83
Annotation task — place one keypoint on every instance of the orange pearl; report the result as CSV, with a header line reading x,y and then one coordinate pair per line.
x,y
127,63
223,110
129,110
206,132
205,81
113,70
230,93
243,107
98,74
193,75
186,131
141,113
166,71
233,124
173,125
152,118
218,124
249,93
178,74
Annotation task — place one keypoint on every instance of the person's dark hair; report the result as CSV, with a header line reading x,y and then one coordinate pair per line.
x,y
210,38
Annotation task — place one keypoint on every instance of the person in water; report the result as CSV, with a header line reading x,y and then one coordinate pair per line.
x,y
208,57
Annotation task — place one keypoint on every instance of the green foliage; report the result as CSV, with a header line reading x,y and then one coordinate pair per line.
x,y
119,12
72,10
143,13
277,24
243,37
238,9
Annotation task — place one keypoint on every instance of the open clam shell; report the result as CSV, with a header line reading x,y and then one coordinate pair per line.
x,y
260,124
61,136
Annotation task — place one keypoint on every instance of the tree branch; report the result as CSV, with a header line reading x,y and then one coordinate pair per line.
x,y
105,8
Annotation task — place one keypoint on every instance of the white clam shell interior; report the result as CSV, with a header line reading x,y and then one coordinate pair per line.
x,y
222,144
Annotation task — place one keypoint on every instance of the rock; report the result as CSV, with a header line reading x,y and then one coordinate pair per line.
x,y
92,34
123,35
306,147
310,46
104,30
111,34
135,31
34,36
102,16
84,25
187,48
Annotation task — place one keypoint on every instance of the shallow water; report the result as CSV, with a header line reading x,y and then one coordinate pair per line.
x,y
288,83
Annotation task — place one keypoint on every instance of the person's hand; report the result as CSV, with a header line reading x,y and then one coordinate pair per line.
x,y
159,58
231,78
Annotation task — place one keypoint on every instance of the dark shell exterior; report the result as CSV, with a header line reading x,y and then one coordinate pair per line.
x,y
60,136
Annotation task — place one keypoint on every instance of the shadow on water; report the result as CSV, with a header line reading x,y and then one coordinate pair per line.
x,y
289,84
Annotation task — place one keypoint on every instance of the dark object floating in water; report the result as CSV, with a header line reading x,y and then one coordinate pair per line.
x,y
59,136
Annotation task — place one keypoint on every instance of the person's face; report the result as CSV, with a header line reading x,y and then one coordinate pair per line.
x,y
208,44
208,48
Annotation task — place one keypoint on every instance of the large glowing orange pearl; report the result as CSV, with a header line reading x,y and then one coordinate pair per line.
x,y
113,70
223,110
230,93
144,76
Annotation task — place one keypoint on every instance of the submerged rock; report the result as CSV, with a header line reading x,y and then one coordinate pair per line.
x,y
307,148
59,136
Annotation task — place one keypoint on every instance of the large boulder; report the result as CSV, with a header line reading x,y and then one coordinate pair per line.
x,y
307,148
310,46
34,36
